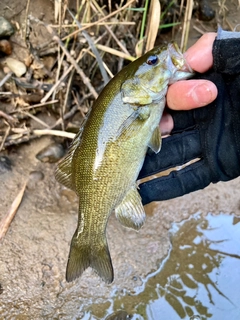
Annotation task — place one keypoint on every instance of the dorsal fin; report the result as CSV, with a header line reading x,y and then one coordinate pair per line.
x,y
63,173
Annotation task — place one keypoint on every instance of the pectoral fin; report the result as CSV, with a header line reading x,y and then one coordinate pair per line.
x,y
134,122
130,212
126,125
156,140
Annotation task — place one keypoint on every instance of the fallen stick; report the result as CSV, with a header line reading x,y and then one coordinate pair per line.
x,y
58,133
6,221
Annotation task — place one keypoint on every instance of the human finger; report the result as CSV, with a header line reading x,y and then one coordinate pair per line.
x,y
166,124
199,56
190,94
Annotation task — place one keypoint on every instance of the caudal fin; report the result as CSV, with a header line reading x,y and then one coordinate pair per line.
x,y
83,255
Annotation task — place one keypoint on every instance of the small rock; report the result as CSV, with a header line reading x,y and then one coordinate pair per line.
x,y
34,178
5,46
16,66
5,164
51,153
6,29
205,11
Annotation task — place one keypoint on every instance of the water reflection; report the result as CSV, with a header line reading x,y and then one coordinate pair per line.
x,y
198,280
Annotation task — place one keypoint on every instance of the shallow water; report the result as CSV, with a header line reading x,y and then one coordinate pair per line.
x,y
199,279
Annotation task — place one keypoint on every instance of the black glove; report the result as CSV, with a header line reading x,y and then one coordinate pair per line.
x,y
210,134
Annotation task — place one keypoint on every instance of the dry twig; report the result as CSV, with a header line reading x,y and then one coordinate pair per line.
x,y
94,50
186,25
55,38
57,133
115,52
85,79
153,23
9,118
6,78
6,221
5,137
100,20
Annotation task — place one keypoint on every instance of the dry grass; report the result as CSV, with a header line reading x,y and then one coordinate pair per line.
x,y
111,35
87,48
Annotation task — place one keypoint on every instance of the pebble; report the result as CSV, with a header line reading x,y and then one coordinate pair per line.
x,y
51,153
16,66
5,46
5,164
205,12
6,29
34,178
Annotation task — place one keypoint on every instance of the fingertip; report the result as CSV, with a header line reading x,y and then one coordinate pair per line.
x,y
199,56
166,124
203,93
190,94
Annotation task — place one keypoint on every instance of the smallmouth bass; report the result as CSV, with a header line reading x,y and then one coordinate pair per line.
x,y
106,155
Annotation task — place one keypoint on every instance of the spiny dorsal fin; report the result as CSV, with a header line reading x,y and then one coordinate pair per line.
x,y
63,173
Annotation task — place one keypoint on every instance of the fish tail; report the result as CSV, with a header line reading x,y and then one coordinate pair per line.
x,y
83,255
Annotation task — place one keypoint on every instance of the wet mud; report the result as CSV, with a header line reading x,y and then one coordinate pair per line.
x,y
34,253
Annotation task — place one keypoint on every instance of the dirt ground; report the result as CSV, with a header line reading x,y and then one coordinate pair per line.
x,y
34,252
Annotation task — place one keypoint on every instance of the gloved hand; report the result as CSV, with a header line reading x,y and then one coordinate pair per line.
x,y
210,134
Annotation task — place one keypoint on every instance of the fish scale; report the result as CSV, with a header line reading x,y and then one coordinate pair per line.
x,y
105,158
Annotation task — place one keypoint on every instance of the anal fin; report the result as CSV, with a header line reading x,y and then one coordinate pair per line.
x,y
130,212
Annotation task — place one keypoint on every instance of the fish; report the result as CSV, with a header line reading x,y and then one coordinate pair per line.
x,y
106,155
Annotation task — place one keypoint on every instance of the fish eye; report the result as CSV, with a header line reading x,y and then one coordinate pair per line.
x,y
152,60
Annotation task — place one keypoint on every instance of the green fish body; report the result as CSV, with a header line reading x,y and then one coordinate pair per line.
x,y
107,154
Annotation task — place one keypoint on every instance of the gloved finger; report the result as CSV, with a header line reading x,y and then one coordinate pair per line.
x,y
176,150
183,120
193,177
